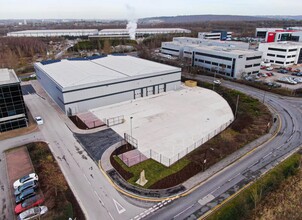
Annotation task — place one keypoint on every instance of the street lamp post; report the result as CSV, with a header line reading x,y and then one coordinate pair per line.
x,y
214,80
131,126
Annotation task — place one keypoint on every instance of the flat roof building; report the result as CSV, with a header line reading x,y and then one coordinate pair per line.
x,y
54,33
282,53
140,32
80,84
12,108
215,35
228,58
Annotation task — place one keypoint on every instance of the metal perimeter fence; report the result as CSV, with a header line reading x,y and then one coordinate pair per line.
x,y
168,161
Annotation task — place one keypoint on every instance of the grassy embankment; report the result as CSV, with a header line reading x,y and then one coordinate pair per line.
x,y
268,197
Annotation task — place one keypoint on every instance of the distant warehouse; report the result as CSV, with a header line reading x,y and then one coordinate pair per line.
x,y
80,84
54,33
140,32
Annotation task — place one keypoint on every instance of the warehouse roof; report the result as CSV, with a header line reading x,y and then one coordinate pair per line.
x,y
223,50
283,44
81,72
8,76
145,30
55,31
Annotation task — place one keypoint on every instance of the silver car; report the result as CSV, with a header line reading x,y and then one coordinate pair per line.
x,y
33,213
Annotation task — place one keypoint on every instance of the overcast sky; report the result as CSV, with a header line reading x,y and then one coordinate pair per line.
x,y
122,9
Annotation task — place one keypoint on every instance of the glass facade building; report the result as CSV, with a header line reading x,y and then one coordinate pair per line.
x,y
12,108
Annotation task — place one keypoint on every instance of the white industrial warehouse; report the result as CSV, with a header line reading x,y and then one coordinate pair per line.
x,y
140,32
231,59
54,33
80,84
169,125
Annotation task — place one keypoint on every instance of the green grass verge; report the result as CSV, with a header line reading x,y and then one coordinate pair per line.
x,y
154,171
243,204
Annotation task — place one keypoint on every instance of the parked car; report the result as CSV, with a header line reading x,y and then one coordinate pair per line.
x,y
282,71
296,70
299,74
31,184
25,179
269,68
217,81
39,120
269,74
32,213
29,203
25,195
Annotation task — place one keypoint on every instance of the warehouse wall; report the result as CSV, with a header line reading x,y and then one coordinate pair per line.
x,y
112,98
118,87
50,87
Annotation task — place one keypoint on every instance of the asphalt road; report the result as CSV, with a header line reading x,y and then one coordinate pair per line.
x,y
229,180
97,197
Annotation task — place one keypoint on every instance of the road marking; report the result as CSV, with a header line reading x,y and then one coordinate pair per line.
x,y
208,198
110,216
120,209
267,155
184,211
99,198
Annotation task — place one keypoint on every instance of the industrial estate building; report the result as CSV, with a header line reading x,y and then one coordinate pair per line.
x,y
140,32
80,84
94,33
12,108
280,34
54,33
215,35
231,59
282,53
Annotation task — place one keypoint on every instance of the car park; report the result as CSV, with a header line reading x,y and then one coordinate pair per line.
x,y
25,195
39,120
25,179
32,213
28,185
29,203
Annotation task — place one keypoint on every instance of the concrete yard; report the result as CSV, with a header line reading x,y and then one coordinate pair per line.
x,y
169,125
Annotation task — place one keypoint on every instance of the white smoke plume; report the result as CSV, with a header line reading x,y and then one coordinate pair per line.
x,y
131,27
132,21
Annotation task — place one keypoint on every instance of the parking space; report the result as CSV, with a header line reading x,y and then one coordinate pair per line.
x,y
18,165
285,78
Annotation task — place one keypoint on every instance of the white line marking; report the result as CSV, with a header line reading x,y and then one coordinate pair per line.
x,y
183,211
120,209
99,198
110,216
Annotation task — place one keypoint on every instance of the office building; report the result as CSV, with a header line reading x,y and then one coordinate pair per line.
x,y
12,108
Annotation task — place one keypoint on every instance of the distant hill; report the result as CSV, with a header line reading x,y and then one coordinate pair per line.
x,y
285,17
201,18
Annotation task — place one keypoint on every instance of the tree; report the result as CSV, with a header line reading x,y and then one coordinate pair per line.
x,y
107,47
